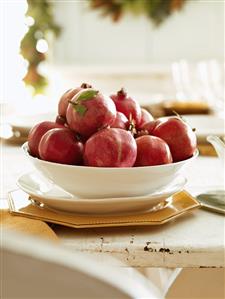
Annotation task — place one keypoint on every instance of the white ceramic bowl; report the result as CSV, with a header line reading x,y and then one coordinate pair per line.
x,y
101,182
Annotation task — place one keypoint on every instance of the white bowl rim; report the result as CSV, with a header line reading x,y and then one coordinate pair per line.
x,y
25,149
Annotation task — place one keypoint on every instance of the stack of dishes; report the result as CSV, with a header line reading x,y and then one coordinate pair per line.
x,y
17,127
95,190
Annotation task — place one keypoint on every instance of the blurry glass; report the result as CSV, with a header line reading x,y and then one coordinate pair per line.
x,y
202,83
211,78
182,81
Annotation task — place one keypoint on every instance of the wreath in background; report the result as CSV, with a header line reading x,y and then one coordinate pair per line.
x,y
156,10
43,27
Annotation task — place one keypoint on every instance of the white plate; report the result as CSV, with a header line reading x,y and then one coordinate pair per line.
x,y
206,125
58,199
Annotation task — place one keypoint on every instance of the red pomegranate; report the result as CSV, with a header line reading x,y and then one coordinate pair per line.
x,y
37,132
127,105
121,121
146,117
90,111
152,150
110,147
67,96
151,125
60,146
179,136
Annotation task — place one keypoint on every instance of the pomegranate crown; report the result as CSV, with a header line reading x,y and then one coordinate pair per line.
x,y
85,85
132,125
122,94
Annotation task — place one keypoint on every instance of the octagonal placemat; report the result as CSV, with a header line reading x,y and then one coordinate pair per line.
x,y
20,203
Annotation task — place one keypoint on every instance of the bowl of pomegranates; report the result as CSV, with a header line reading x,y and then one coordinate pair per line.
x,y
108,146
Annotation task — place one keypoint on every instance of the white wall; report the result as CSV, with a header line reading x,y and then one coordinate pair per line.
x,y
195,33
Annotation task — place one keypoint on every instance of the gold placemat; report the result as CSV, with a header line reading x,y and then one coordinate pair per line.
x,y
206,149
186,107
167,108
182,202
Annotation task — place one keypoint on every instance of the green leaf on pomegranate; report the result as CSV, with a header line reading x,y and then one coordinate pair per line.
x,y
87,95
80,109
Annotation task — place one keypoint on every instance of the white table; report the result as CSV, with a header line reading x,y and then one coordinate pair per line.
x,y
193,240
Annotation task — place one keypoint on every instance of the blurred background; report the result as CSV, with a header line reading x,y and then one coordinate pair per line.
x,y
167,53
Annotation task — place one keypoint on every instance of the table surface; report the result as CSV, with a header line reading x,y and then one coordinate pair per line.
x,y
194,240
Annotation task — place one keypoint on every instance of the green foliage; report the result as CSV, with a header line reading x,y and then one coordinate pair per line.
x,y
43,27
156,10
84,96
80,109
87,95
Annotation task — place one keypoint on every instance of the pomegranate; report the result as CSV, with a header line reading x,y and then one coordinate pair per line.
x,y
90,111
110,147
121,121
150,126
152,150
179,136
145,118
67,96
37,132
60,146
127,105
